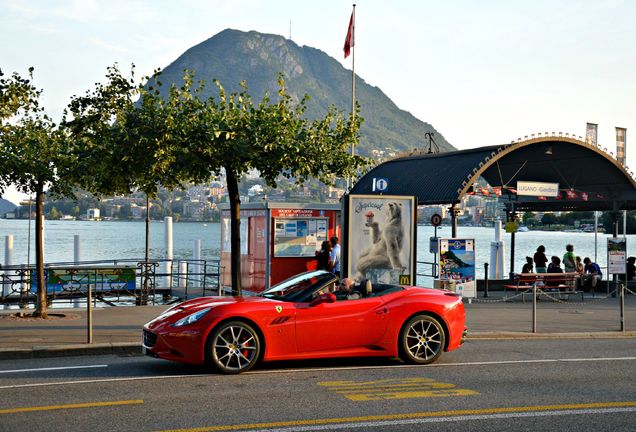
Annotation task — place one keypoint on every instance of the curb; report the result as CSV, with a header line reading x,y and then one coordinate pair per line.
x,y
134,348
127,348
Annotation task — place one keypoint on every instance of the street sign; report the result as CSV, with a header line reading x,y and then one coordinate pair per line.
x,y
433,245
436,220
380,184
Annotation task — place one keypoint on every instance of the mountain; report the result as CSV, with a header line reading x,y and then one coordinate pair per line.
x,y
232,56
6,206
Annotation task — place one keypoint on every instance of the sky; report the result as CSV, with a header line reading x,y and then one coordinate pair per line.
x,y
481,72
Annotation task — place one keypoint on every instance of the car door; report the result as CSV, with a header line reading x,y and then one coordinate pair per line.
x,y
340,325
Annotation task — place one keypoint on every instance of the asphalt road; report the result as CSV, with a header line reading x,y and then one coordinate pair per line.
x,y
498,385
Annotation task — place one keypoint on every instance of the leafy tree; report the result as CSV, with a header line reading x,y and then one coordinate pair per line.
x,y
32,157
529,218
124,132
17,94
235,135
156,210
54,214
548,219
125,212
608,217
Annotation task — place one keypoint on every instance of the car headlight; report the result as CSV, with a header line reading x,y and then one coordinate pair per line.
x,y
192,318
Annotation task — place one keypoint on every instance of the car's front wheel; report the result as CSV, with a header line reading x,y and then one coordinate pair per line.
x,y
233,348
422,340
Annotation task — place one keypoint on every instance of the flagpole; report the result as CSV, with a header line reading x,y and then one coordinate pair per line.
x,y
353,89
353,75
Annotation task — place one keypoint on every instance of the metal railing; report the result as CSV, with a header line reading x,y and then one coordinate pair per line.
x,y
113,281
424,273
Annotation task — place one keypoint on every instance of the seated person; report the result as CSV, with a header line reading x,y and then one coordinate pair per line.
x,y
527,267
346,290
554,267
592,272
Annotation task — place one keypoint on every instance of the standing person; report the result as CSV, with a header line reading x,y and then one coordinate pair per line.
x,y
335,256
569,259
631,268
324,256
527,267
540,260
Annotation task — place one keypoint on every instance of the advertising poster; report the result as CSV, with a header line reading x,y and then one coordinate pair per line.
x,y
616,255
381,238
299,232
457,265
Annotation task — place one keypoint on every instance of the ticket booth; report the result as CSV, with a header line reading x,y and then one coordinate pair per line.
x,y
278,240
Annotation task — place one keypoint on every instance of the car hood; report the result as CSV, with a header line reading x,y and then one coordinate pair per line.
x,y
188,307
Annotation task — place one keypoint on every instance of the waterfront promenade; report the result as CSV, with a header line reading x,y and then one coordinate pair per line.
x,y
117,330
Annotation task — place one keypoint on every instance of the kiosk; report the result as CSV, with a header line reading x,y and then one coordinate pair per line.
x,y
278,240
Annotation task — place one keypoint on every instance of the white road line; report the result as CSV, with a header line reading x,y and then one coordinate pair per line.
x,y
52,369
503,362
329,369
103,380
388,423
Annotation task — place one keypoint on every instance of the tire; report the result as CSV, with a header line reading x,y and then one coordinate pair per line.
x,y
233,348
422,340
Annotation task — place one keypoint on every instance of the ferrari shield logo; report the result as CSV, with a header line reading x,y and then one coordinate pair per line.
x,y
279,309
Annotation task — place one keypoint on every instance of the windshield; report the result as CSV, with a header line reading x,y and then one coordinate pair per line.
x,y
302,287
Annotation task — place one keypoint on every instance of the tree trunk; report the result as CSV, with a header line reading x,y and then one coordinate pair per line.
x,y
146,293
41,304
235,230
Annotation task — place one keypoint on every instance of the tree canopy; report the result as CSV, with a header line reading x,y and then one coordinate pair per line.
x,y
132,138
235,135
33,156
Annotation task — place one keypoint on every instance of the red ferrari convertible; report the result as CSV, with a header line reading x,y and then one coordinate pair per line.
x,y
302,318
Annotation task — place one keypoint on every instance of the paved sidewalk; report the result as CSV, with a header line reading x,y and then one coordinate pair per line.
x,y
118,329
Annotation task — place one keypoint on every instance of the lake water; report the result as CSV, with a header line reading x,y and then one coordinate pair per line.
x,y
120,240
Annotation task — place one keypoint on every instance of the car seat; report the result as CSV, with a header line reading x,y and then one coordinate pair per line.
x,y
365,288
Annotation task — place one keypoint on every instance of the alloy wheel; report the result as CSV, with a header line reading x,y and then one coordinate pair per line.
x,y
235,347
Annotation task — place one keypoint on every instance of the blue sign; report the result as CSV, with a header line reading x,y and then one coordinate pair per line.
x,y
380,184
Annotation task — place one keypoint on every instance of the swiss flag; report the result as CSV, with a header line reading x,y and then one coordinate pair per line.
x,y
571,193
349,40
584,196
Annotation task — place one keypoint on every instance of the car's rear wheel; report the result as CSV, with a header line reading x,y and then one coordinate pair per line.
x,y
422,340
233,348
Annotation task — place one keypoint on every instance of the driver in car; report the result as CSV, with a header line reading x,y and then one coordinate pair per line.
x,y
345,290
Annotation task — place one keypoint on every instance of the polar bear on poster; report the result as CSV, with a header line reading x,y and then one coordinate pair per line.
x,y
384,252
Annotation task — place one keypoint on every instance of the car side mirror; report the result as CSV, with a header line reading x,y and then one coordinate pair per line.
x,y
323,298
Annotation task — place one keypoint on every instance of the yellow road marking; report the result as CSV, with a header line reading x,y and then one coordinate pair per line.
x,y
376,382
411,394
405,416
395,389
70,406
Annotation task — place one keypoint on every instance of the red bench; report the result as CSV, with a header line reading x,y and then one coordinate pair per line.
x,y
562,283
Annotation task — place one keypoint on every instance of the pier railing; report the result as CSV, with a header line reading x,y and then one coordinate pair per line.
x,y
113,281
